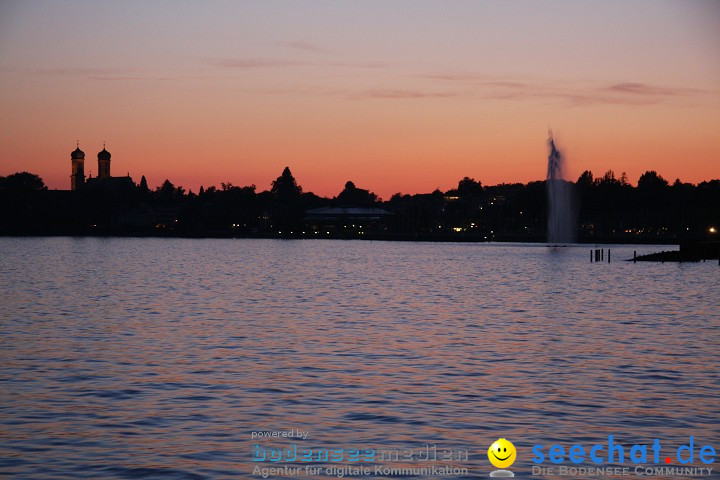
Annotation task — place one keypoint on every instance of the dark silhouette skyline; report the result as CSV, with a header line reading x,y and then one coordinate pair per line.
x,y
610,209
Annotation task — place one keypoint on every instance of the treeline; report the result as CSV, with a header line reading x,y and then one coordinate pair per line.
x,y
607,208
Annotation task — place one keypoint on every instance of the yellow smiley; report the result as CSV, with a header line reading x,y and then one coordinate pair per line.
x,y
502,453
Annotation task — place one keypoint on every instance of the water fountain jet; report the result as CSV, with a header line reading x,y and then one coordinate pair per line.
x,y
559,194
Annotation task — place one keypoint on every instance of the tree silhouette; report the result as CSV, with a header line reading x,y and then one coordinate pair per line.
x,y
585,180
285,187
468,188
651,181
167,192
22,182
352,195
143,187
287,211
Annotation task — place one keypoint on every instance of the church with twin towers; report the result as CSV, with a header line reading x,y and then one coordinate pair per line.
x,y
103,180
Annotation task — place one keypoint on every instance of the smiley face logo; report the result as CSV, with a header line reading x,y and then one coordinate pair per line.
x,y
502,453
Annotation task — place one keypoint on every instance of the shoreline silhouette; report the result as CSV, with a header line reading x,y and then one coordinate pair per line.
x,y
611,210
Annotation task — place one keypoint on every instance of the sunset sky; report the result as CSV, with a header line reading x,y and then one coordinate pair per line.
x,y
394,95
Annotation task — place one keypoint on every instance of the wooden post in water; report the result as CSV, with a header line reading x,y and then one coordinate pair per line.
x,y
602,254
634,256
608,255
590,255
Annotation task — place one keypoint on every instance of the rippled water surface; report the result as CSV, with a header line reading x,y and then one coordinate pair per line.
x,y
157,358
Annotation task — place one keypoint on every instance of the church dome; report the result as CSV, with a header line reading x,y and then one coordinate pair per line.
x,y
103,154
77,154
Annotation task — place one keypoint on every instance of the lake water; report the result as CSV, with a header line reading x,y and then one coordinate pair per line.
x,y
157,358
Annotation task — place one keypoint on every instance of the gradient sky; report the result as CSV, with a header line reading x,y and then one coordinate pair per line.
x,y
394,95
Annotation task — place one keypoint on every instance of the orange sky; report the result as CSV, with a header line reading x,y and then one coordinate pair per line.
x,y
393,95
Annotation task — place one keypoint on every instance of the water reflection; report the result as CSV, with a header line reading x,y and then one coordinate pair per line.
x,y
134,358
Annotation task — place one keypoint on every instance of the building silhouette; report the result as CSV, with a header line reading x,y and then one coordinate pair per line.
x,y
77,175
103,180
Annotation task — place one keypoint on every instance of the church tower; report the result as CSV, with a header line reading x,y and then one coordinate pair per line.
x,y
77,175
103,163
